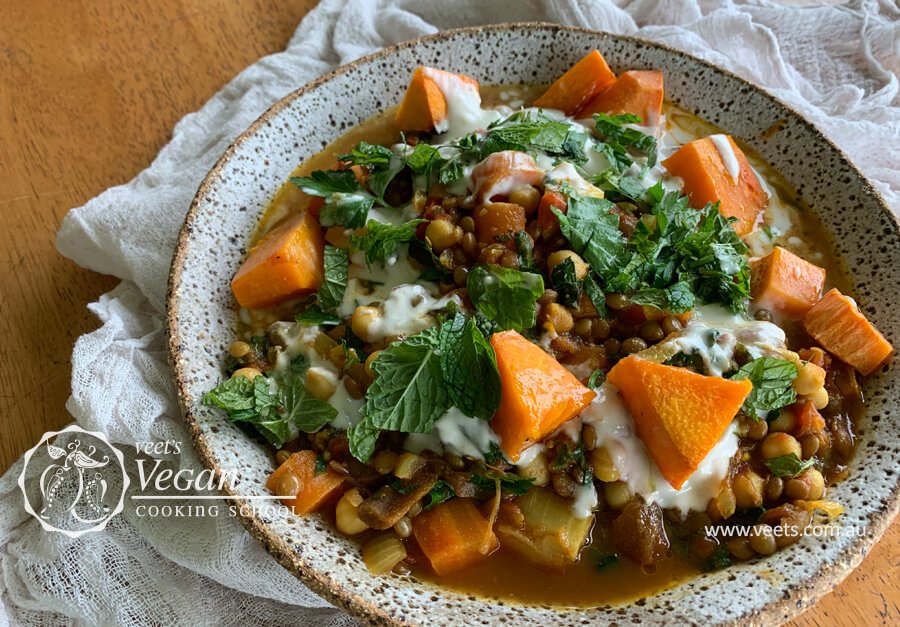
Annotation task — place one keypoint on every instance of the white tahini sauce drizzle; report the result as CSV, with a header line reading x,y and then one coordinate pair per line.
x,y
464,112
729,159
456,433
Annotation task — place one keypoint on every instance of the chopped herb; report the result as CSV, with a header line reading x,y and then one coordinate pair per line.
x,y
334,283
505,296
346,203
494,455
772,385
691,361
593,232
509,483
320,465
788,465
525,250
618,140
440,492
566,283
469,368
382,240
721,558
314,315
606,560
435,271
597,378
403,486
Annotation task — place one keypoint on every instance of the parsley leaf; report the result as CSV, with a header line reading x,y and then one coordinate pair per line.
x,y
314,315
788,465
440,492
469,368
772,384
566,283
597,378
618,140
371,155
407,395
505,296
381,240
325,183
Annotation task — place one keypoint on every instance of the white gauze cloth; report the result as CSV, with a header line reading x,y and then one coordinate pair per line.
x,y
837,65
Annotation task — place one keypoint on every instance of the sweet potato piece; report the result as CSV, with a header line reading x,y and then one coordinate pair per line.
x,y
837,324
502,172
498,218
537,393
424,106
454,535
706,179
578,85
316,490
680,415
546,219
286,263
637,91
783,282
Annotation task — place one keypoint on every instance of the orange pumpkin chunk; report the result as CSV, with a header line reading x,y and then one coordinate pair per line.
x,y
424,106
706,179
496,219
784,282
680,415
838,325
639,92
286,263
454,535
502,172
537,393
316,489
578,85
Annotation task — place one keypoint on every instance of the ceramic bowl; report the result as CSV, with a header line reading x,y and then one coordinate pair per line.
x,y
229,203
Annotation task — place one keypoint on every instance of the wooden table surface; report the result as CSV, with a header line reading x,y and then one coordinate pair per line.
x,y
89,93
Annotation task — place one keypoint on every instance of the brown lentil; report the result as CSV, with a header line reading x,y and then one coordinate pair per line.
x,y
467,224
774,488
583,327
652,331
809,445
671,324
509,259
633,345
757,429
460,274
616,301
600,330
762,540
238,349
282,456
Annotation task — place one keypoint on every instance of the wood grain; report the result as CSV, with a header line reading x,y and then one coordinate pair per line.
x,y
89,91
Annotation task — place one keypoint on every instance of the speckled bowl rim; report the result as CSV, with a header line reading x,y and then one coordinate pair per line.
x,y
795,600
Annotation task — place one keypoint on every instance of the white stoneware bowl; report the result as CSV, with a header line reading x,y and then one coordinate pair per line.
x,y
229,203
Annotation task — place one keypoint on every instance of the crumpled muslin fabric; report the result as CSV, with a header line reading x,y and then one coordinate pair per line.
x,y
837,65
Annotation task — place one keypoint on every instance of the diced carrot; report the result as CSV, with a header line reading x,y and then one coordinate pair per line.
x,y
839,326
809,420
424,106
706,179
783,282
546,219
639,92
454,535
581,83
316,489
286,263
502,172
680,415
496,219
537,393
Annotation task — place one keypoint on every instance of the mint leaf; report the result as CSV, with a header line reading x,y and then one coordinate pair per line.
x,y
408,394
314,315
593,232
362,438
382,240
440,492
469,368
772,384
566,283
334,283
302,408
251,402
370,155
326,183
676,298
788,465
617,140
505,296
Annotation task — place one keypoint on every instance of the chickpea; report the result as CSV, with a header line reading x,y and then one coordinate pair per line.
x,y
601,462
338,236
442,234
557,257
362,320
785,422
820,398
346,513
779,445
583,327
371,360
616,494
816,484
320,383
797,489
810,378
748,490
526,197
250,373
762,540
559,317
238,349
